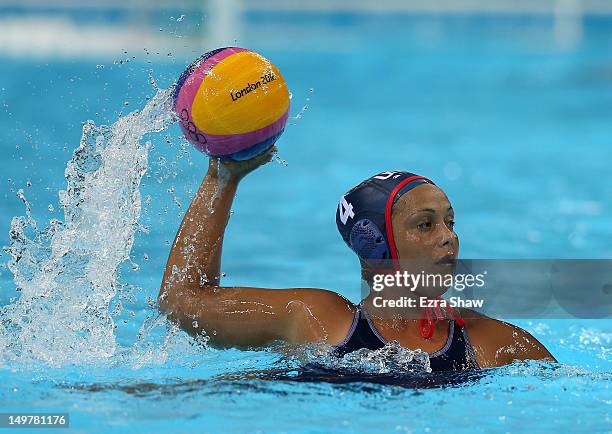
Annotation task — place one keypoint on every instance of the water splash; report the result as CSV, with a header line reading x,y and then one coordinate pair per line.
x,y
293,120
67,273
390,359
594,341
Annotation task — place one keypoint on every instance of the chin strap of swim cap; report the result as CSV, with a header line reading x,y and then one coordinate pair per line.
x,y
426,323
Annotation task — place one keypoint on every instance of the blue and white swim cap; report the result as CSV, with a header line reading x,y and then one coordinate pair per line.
x,y
364,213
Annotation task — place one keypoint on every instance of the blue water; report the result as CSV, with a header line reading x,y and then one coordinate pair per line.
x,y
513,125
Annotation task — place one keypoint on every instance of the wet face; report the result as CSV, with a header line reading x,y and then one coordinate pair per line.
x,y
423,221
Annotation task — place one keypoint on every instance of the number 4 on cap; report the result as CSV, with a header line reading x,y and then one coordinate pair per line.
x,y
386,175
345,210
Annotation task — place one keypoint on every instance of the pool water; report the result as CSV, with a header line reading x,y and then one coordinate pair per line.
x,y
513,126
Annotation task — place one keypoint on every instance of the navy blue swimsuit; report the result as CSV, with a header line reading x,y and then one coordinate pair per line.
x,y
452,365
456,355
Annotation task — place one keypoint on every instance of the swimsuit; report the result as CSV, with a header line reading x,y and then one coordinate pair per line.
x,y
456,355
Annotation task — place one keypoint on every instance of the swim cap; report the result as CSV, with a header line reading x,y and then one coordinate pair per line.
x,y
364,213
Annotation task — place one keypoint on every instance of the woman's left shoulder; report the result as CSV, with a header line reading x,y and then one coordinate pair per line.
x,y
498,342
486,332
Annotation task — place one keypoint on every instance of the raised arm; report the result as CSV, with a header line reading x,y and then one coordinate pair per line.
x,y
191,294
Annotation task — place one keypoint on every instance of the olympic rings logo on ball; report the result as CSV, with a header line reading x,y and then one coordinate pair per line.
x,y
191,128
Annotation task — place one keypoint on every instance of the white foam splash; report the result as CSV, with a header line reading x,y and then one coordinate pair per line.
x,y
67,273
595,341
390,359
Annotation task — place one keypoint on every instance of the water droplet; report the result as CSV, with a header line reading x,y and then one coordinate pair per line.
x,y
280,161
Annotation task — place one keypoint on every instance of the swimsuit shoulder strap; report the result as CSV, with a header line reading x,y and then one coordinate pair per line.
x,y
457,354
360,335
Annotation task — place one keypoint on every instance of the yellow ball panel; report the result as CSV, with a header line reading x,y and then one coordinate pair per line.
x,y
242,93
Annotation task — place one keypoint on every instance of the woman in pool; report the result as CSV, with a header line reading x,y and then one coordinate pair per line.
x,y
394,215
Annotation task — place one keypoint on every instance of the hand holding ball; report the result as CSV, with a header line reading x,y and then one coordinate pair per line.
x,y
232,103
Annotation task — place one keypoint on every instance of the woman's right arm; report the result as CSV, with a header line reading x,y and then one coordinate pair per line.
x,y
191,294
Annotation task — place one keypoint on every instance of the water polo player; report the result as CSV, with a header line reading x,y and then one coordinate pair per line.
x,y
233,104
394,214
